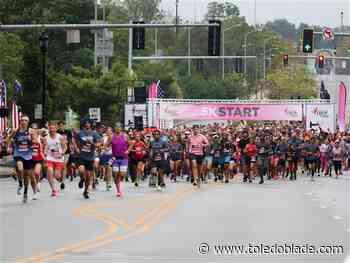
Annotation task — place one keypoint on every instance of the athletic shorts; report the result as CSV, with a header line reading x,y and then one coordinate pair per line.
x,y
246,160
105,158
311,160
120,165
55,165
73,159
37,162
282,162
197,158
216,162
88,164
136,161
208,159
225,160
161,165
27,164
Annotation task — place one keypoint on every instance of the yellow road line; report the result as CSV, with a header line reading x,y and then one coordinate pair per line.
x,y
140,226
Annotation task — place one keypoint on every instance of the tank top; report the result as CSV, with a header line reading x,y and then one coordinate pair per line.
x,y
22,145
37,153
139,148
54,151
119,146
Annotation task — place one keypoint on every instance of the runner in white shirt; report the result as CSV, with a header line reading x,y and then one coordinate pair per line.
x,y
55,148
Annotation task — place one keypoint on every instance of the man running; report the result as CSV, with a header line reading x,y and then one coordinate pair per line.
x,y
22,143
55,148
158,148
86,144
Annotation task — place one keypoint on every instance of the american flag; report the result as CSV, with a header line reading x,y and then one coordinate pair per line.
x,y
15,112
3,104
160,92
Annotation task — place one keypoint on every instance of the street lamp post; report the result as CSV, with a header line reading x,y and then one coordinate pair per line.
x,y
44,46
264,62
245,55
223,48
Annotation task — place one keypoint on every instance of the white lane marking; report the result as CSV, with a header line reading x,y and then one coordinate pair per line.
x,y
308,193
323,206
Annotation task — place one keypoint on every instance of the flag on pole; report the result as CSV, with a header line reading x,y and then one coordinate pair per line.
x,y
160,91
15,112
3,104
17,88
15,115
341,106
152,91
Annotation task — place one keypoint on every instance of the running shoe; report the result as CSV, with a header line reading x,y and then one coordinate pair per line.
x,y
25,198
119,194
62,186
19,190
38,187
81,183
86,195
136,184
35,196
53,193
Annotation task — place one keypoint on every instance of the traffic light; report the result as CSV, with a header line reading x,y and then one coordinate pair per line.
x,y
321,61
214,38
285,60
138,36
308,40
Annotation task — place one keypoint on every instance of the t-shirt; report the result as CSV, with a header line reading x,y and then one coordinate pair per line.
x,y
158,147
87,141
197,144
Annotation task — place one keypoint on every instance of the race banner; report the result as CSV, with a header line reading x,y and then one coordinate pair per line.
x,y
232,112
320,116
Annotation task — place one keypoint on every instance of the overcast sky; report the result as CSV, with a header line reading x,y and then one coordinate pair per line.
x,y
313,12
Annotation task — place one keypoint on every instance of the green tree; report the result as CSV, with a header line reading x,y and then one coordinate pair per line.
x,y
296,81
219,9
11,56
284,28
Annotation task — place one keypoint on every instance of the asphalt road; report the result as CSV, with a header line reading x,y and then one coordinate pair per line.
x,y
169,226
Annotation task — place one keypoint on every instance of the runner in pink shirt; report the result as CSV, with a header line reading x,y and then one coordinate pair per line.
x,y
197,142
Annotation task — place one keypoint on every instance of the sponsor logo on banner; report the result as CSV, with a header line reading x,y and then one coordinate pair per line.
x,y
320,116
321,113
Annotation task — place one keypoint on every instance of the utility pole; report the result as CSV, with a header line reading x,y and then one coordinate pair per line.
x,y
130,49
189,50
95,35
104,40
177,16
341,21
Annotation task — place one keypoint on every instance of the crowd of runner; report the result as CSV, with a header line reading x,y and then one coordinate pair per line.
x,y
98,154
